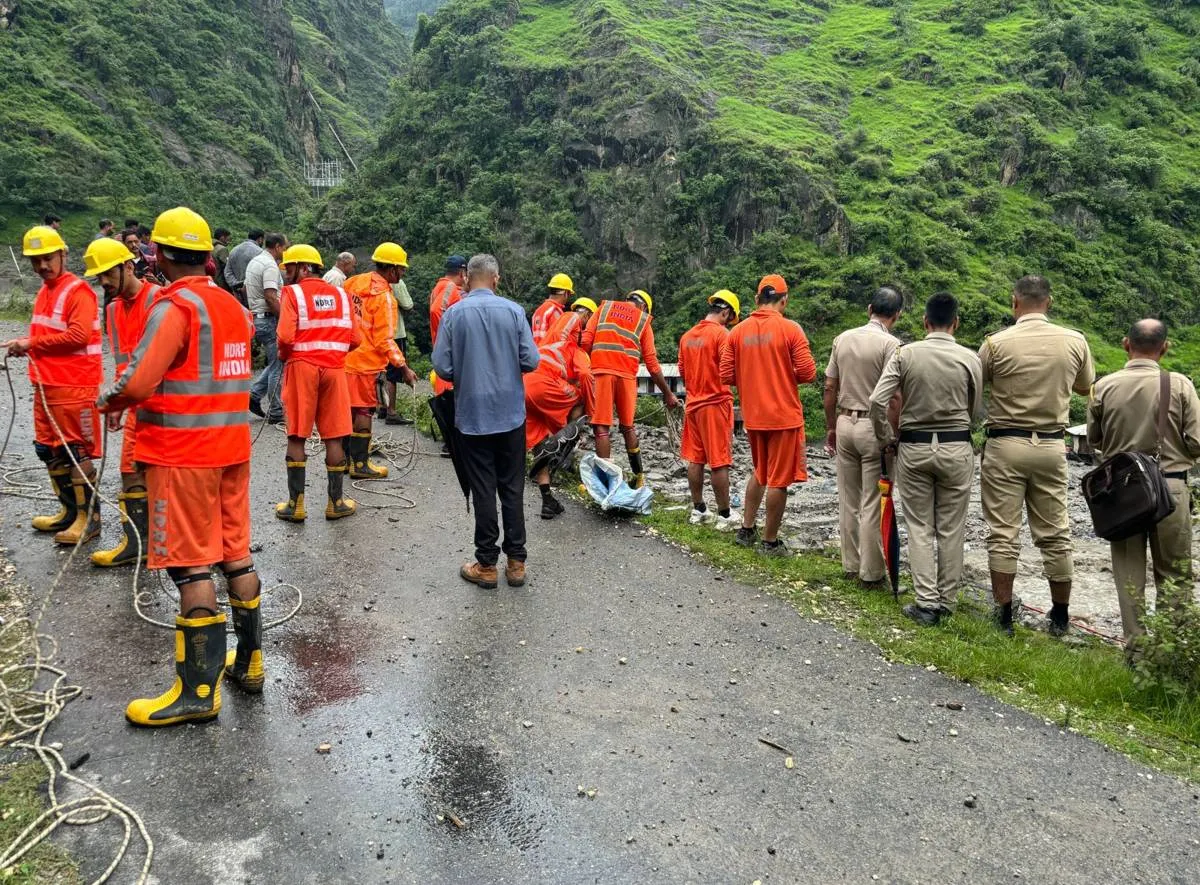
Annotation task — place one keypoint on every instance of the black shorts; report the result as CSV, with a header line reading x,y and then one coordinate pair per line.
x,y
393,374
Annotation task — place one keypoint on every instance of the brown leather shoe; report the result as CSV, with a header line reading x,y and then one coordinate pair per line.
x,y
484,576
514,573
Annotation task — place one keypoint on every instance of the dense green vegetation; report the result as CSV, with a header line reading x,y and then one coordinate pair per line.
x,y
131,106
937,144
406,13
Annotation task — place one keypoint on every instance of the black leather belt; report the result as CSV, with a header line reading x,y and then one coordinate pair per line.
x,y
926,436
996,432
1179,474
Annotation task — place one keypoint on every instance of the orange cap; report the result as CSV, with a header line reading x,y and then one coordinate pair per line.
x,y
775,281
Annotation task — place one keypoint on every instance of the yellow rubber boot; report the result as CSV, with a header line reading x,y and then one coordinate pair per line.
x,y
339,507
247,670
360,461
60,479
200,660
135,522
292,510
84,526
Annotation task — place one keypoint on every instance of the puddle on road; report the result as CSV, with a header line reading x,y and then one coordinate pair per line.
x,y
323,664
468,780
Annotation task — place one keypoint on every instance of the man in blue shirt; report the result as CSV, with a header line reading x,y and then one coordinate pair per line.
x,y
483,347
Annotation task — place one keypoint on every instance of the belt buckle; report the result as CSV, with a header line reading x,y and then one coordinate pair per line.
x,y
1034,438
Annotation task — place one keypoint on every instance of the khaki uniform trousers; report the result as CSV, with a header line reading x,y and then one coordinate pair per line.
x,y
934,481
1171,552
858,497
1020,474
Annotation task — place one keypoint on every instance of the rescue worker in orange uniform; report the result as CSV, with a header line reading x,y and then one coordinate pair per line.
x,y
619,336
189,378
572,323
375,309
448,290
317,329
561,288
765,357
708,410
129,300
557,393
65,352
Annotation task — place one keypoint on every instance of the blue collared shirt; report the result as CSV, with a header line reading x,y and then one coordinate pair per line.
x,y
484,346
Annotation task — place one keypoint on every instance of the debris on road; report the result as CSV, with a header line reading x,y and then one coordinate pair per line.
x,y
780,747
324,749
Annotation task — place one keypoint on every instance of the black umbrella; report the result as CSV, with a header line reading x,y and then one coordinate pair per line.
x,y
442,407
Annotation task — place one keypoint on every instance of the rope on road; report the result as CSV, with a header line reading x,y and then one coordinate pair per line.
x,y
32,695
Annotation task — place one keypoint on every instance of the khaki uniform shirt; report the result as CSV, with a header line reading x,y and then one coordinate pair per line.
x,y
1032,367
1123,416
857,360
940,381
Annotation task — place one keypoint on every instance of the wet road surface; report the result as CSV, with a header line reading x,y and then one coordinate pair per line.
x,y
599,725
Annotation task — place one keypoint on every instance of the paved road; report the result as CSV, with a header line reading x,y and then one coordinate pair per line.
x,y
624,667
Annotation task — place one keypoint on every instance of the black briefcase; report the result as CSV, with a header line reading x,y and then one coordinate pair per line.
x,y
1127,494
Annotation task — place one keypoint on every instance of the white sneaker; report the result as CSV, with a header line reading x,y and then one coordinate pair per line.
x,y
705,518
730,523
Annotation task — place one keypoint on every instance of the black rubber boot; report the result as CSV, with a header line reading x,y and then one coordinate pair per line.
x,y
292,510
86,524
551,507
360,461
60,479
338,506
135,524
247,670
199,665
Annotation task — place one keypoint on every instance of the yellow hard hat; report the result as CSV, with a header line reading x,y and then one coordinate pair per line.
x,y
104,254
390,253
585,302
561,281
42,240
182,228
302,253
646,299
727,297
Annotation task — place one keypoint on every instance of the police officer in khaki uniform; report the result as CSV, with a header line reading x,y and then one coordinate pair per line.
x,y
1123,417
1032,367
941,387
855,364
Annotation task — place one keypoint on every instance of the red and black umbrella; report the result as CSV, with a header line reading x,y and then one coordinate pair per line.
x,y
888,530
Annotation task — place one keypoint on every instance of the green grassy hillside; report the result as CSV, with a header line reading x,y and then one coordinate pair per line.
x,y
129,106
684,146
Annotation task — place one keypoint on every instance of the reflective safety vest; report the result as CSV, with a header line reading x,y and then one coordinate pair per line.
x,y
568,325
125,319
199,415
543,320
52,311
324,323
617,347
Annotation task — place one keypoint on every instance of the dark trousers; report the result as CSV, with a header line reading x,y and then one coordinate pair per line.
x,y
495,465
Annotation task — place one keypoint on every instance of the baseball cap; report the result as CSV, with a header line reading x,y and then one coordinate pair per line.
x,y
775,281
455,262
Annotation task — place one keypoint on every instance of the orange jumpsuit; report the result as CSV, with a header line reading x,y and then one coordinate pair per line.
x,y
65,366
562,379
766,356
568,325
191,376
618,337
317,329
375,309
125,319
445,293
543,319
708,413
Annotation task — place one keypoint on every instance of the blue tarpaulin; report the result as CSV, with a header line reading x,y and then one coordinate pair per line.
x,y
605,482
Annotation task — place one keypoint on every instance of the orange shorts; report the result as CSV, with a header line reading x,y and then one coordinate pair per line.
x,y
317,395
363,393
613,390
128,441
548,404
74,411
779,457
198,515
708,435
